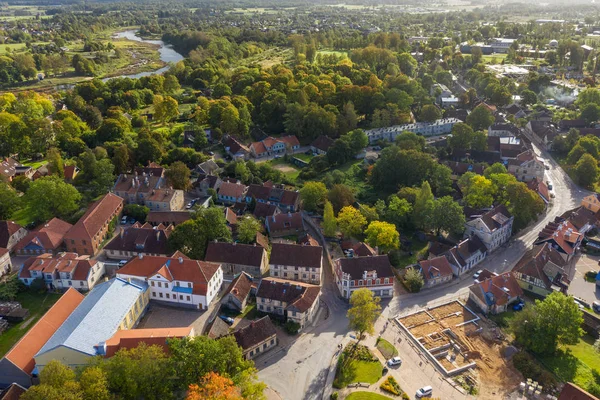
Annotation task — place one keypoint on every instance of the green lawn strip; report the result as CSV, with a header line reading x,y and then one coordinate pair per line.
x,y
386,349
34,164
37,304
362,367
366,396
417,247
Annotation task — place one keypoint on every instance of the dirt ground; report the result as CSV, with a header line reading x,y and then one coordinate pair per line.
x,y
285,168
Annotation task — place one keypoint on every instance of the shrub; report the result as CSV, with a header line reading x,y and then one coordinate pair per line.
x,y
391,386
292,327
405,396
531,369
10,288
334,396
414,280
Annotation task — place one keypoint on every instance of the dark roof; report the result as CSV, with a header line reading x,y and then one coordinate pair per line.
x,y
461,168
217,329
7,229
489,157
438,248
506,127
466,249
573,392
356,266
299,296
255,333
495,218
435,267
240,286
144,239
234,253
534,264
589,131
13,392
282,222
322,143
543,129
176,217
296,255
264,210
571,123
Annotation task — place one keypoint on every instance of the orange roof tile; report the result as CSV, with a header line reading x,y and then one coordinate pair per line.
x,y
96,216
131,338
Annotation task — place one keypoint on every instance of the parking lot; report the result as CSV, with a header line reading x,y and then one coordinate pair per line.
x,y
581,288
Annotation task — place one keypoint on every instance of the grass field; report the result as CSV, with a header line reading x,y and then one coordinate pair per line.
x,y
290,171
417,247
493,58
357,365
34,164
386,349
37,304
366,396
329,52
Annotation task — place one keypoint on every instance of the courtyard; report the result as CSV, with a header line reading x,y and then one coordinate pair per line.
x,y
580,287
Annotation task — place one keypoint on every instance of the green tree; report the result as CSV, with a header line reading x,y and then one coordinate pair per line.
x,y
548,323
398,211
447,216
430,113
462,137
247,228
479,193
364,311
524,204
586,170
350,221
192,237
136,211
94,384
10,202
178,175
50,197
590,113
329,222
55,162
120,159
165,109
423,208
414,280
382,235
496,168
340,196
528,97
480,118
313,194
358,140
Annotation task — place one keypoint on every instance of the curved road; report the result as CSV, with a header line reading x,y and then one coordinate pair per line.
x,y
300,371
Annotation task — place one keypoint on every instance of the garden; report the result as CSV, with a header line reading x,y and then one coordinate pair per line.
x,y
357,364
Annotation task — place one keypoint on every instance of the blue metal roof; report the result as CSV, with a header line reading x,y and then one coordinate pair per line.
x,y
98,316
181,289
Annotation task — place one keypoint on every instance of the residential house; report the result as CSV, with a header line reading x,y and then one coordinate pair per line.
x,y
591,202
581,218
542,270
10,234
208,167
166,199
265,210
237,294
152,169
62,271
493,227
374,273
237,257
46,238
297,262
167,218
148,187
566,124
8,168
495,294
289,300
503,130
286,200
541,132
25,171
111,306
307,240
527,167
540,187
236,149
231,193
18,364
256,338
206,182
217,328
466,255
5,262
132,338
321,144
231,219
13,392
461,168
86,236
435,271
563,236
570,391
176,281
285,224
440,127
145,239
272,146
71,171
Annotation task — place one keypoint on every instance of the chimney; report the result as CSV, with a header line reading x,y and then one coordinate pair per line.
x,y
122,233
157,235
128,280
180,259
141,255
234,243
273,217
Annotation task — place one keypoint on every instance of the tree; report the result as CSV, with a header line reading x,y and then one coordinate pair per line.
x,y
396,168
313,194
94,384
590,113
247,228
398,211
340,196
191,237
528,97
178,175
50,197
524,204
430,113
545,325
462,137
214,387
165,109
479,193
121,159
350,221
55,162
383,235
447,216
423,208
480,118
496,168
358,140
329,222
10,201
97,175
139,213
364,311
586,170
413,279
57,381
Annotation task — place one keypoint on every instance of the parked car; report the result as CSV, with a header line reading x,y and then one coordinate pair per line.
x,y
227,319
277,156
392,362
596,307
131,220
122,263
124,220
547,167
519,306
476,275
211,153
191,204
425,391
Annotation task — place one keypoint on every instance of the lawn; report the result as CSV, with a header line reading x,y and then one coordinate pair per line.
x,y
504,318
290,171
38,304
34,164
366,396
417,247
493,58
386,349
362,367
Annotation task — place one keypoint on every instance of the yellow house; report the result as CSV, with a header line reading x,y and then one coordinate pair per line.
x,y
591,202
111,306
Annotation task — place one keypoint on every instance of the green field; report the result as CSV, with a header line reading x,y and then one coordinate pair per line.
x,y
493,58
366,396
386,349
37,304
334,52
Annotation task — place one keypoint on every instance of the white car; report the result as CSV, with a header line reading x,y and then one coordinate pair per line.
x,y
426,391
476,276
124,220
392,362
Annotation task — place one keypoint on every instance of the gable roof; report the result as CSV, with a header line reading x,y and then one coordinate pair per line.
x,y
296,255
8,167
255,333
229,189
217,328
13,392
356,266
535,264
7,229
573,392
540,187
562,233
465,249
132,338
95,217
175,217
299,296
290,140
240,287
235,146
435,267
70,172
495,218
97,317
497,290
322,143
78,266
265,210
142,239
24,350
282,222
48,236
234,253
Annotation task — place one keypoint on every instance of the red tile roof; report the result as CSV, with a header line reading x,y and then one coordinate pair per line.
x,y
283,222
235,190
48,236
573,392
95,217
23,352
496,286
435,267
70,172
322,143
563,234
72,263
255,333
296,255
132,338
240,287
290,140
7,229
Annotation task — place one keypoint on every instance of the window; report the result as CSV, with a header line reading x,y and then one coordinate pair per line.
x,y
83,241
272,341
351,283
275,273
377,281
180,297
369,282
167,285
80,283
153,294
160,295
260,306
360,282
151,283
264,346
72,241
188,298
70,283
159,284
189,285
386,280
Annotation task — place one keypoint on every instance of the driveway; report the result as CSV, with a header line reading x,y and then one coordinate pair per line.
x,y
579,287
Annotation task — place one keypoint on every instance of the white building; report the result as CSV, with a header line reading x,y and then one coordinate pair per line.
x,y
176,281
374,273
298,262
501,45
494,227
440,127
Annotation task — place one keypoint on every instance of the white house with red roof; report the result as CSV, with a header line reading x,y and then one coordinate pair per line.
x,y
436,271
563,236
176,281
271,146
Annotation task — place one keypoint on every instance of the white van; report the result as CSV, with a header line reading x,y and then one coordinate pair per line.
x,y
426,391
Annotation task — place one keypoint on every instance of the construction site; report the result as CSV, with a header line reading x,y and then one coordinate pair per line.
x,y
457,341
